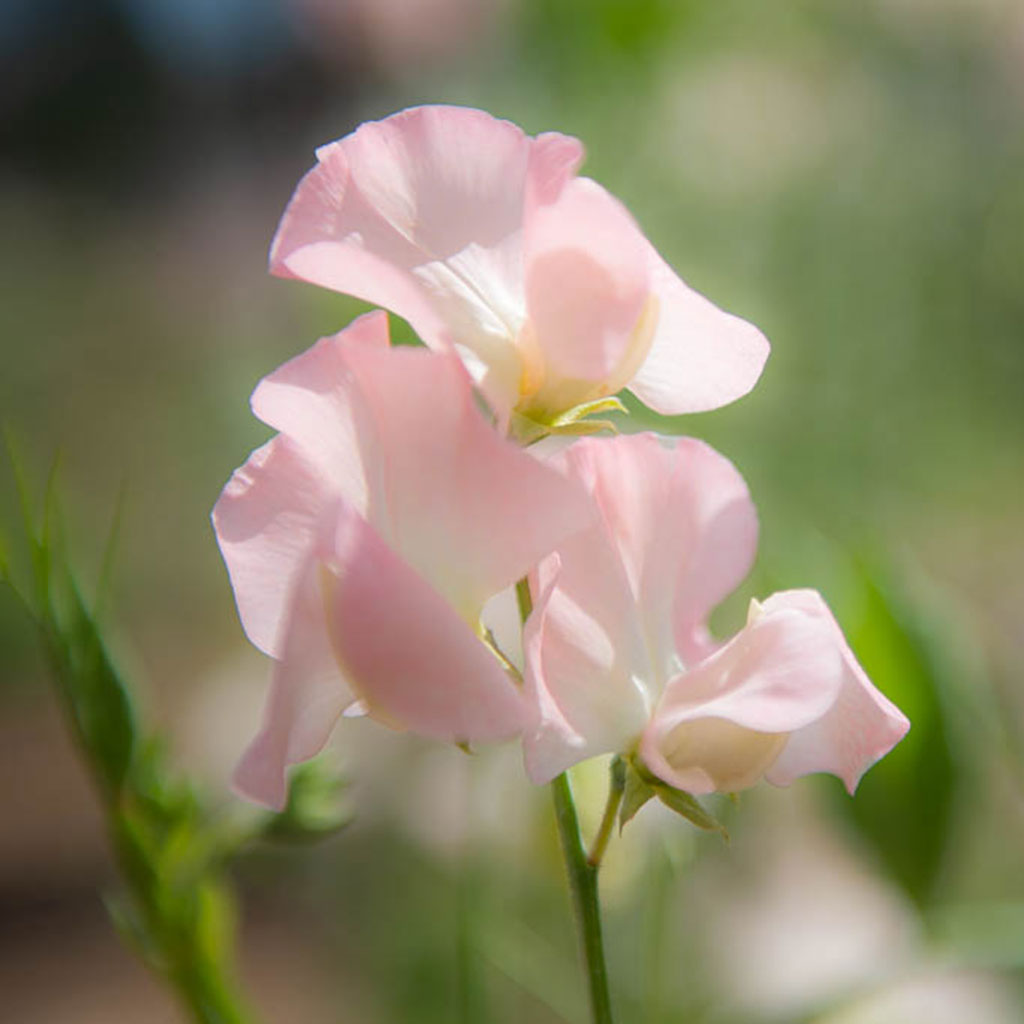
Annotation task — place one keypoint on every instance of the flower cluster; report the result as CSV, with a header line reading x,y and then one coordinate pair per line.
x,y
399,496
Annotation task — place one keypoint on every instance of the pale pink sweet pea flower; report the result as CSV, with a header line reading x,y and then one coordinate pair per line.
x,y
619,657
363,540
483,238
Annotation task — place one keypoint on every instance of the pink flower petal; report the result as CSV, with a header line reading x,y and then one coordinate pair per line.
x,y
586,284
861,726
312,400
554,160
307,694
701,357
469,510
266,521
584,654
443,177
681,519
675,532
410,657
781,672
709,755
718,544
266,516
422,213
331,236
428,513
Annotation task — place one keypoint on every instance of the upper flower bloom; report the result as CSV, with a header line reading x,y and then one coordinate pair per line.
x,y
484,240
619,657
364,539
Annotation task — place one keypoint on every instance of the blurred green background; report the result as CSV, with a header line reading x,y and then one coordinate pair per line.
x,y
848,174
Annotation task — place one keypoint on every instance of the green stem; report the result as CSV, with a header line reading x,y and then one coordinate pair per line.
x,y
181,923
583,884
582,873
616,787
207,997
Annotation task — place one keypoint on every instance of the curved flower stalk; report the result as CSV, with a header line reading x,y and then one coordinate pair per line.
x,y
619,657
483,238
363,540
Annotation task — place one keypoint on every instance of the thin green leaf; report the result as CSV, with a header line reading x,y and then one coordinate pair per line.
x,y
686,805
170,851
904,805
98,696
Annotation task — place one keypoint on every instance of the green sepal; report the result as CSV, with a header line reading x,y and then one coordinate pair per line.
x,y
687,805
610,403
526,430
642,784
584,428
573,422
636,793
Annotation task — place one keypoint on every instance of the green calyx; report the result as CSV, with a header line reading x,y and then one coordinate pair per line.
x,y
574,422
641,785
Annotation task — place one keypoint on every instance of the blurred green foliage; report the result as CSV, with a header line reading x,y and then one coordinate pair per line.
x,y
905,804
176,908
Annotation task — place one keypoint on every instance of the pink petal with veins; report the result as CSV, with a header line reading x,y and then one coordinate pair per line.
x,y
307,694
266,521
383,517
472,512
861,726
701,357
674,532
422,213
586,281
407,653
779,673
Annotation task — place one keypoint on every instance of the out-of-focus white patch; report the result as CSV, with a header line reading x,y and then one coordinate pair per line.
x,y
722,753
549,447
452,802
794,920
937,996
221,715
